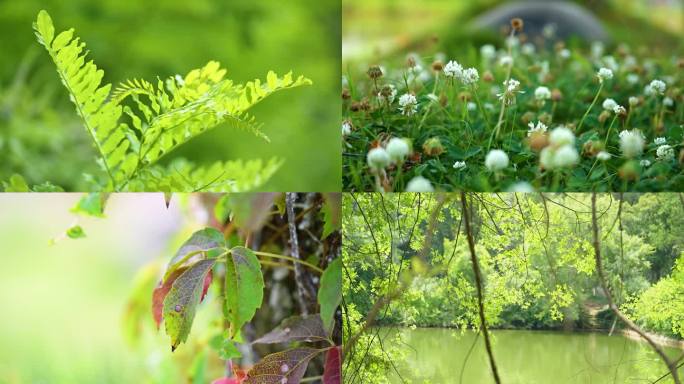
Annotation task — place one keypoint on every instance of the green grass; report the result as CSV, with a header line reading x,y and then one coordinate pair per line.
x,y
469,135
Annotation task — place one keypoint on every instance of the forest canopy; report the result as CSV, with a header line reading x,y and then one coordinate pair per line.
x,y
408,264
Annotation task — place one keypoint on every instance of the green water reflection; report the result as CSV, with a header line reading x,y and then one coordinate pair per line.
x,y
531,357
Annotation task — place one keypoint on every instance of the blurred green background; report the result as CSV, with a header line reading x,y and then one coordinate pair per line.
x,y
42,139
373,29
62,305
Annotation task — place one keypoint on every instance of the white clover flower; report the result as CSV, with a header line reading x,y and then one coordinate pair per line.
x,y
565,157
665,153
631,143
508,95
632,78
453,69
562,136
604,74
460,165
657,87
408,104
603,156
538,128
564,53
633,101
521,187
387,94
645,163
542,93
610,62
397,149
470,76
630,61
488,51
512,41
471,106
419,184
496,160
505,60
660,141
528,49
546,158
346,128
609,104
378,158
668,102
619,110
488,106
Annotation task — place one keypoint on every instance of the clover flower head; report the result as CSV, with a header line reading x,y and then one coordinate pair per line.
x,y
564,53
645,163
408,104
419,184
522,187
460,165
668,102
397,149
496,160
566,156
603,156
346,127
631,143
660,141
542,93
528,49
453,69
387,94
538,128
378,158
619,110
488,51
505,60
657,87
604,74
471,106
665,153
609,104
562,136
633,101
632,78
470,76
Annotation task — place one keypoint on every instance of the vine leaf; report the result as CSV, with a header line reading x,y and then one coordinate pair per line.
x,y
249,210
330,292
201,241
296,328
181,302
332,213
287,367
244,288
333,367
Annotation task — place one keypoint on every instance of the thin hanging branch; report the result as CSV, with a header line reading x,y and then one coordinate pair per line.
x,y
671,365
478,286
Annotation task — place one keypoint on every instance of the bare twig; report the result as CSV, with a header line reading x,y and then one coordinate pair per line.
x,y
305,289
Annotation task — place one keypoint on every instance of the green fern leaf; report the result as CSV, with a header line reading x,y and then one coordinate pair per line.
x,y
83,81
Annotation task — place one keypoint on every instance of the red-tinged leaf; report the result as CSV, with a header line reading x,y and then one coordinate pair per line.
x,y
287,367
159,294
296,328
181,302
333,366
239,378
200,241
207,283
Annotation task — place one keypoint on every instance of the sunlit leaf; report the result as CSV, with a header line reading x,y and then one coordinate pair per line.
x,y
244,287
181,302
330,292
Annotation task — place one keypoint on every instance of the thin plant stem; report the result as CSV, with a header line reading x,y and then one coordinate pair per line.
x,y
579,126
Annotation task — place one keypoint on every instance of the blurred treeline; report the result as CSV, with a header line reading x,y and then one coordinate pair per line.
x,y
41,136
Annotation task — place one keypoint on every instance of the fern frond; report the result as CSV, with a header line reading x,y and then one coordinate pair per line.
x,y
83,81
230,176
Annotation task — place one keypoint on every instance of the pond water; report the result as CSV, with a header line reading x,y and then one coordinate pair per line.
x,y
436,356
